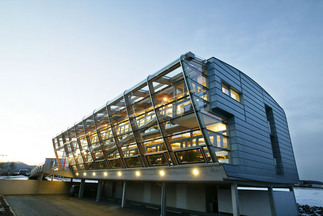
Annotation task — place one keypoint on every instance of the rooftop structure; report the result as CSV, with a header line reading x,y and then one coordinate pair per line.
x,y
195,120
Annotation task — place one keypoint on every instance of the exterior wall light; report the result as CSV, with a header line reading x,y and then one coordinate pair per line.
x,y
195,172
162,173
119,173
105,173
77,174
84,173
94,174
138,173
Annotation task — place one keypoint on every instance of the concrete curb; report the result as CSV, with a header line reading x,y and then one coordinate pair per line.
x,y
9,206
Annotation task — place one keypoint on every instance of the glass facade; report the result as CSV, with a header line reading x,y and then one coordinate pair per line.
x,y
163,121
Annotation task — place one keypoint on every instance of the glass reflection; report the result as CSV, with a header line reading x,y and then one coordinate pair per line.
x,y
157,160
190,156
149,122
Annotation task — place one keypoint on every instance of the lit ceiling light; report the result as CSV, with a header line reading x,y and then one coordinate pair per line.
x,y
77,174
119,173
94,174
138,173
84,173
165,99
162,173
105,174
195,172
217,127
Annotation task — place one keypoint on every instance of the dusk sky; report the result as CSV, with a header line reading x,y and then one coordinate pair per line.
x,y
60,60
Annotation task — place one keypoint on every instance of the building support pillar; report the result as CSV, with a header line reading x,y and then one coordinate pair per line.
x,y
163,200
40,178
81,190
123,201
291,189
271,201
99,191
235,200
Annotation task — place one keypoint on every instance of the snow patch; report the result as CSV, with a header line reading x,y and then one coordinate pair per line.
x,y
309,196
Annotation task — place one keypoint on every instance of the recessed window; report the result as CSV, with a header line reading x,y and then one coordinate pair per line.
x,y
235,95
226,89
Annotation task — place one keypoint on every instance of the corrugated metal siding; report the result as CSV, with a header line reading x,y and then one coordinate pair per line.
x,y
251,149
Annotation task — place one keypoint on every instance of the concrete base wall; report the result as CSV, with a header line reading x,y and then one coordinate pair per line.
x,y
256,202
181,196
19,187
252,202
284,203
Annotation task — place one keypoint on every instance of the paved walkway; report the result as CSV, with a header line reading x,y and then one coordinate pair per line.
x,y
60,205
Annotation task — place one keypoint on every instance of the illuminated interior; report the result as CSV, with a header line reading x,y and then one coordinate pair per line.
x,y
226,89
163,121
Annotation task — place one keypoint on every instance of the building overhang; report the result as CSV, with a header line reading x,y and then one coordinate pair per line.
x,y
183,173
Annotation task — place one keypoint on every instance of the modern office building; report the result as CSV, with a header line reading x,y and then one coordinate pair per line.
x,y
187,138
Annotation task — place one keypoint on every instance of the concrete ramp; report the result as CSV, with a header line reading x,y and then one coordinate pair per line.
x,y
47,169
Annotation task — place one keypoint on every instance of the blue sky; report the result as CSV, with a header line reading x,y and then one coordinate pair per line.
x,y
60,60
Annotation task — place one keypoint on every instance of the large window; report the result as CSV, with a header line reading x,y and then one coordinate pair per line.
x,y
228,90
164,120
157,160
190,156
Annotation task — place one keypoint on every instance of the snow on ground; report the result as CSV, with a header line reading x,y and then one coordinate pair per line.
x,y
304,196
19,177
309,196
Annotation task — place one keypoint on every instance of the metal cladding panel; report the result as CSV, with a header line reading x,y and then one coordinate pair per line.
x,y
250,85
219,65
251,142
254,108
254,119
255,157
233,81
251,130
225,67
251,100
